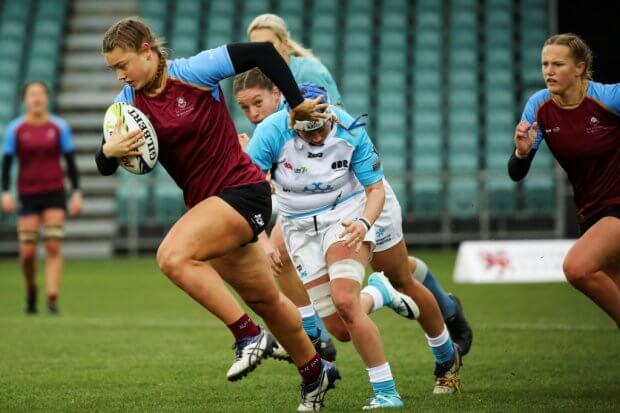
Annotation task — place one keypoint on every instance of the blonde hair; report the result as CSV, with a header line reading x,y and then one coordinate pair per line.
x,y
277,25
579,49
129,34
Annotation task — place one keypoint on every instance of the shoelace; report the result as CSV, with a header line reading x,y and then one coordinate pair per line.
x,y
315,400
451,381
238,346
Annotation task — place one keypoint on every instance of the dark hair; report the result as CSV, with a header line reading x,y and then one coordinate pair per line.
x,y
34,82
580,50
253,78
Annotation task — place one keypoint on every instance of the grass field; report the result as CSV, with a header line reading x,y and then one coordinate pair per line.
x,y
128,340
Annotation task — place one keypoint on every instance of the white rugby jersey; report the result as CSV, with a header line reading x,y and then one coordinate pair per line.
x,y
313,179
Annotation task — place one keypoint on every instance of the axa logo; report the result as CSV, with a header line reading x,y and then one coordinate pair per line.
x,y
315,155
318,187
338,165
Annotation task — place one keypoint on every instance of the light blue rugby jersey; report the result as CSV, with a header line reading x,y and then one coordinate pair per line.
x,y
206,69
607,94
314,179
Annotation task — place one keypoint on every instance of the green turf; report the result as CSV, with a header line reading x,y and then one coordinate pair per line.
x,y
128,340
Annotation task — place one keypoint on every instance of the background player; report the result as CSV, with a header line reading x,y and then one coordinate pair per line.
x,y
580,121
38,139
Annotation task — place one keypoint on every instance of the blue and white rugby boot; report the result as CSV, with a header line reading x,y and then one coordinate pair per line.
x,y
384,401
402,304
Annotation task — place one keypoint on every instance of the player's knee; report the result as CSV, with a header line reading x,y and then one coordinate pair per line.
x,y
52,249
171,263
28,254
263,302
574,270
344,302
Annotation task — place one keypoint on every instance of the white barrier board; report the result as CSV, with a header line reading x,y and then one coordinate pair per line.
x,y
511,261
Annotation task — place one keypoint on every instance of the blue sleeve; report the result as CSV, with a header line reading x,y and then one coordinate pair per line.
x,y
529,113
207,68
10,137
262,148
365,161
66,138
126,95
609,95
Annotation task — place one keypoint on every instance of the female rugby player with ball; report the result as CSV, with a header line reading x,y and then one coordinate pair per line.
x,y
227,197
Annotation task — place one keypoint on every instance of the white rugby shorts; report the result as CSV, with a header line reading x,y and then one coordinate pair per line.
x,y
308,239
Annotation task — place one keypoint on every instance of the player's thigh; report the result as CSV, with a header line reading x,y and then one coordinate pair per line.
x,y
598,249
394,262
339,251
210,229
277,238
53,217
29,223
248,271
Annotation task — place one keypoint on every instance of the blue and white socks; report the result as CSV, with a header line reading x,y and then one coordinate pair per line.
x,y
441,346
312,323
424,275
381,379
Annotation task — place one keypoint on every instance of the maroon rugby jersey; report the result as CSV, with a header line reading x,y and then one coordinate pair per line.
x,y
198,143
39,149
586,143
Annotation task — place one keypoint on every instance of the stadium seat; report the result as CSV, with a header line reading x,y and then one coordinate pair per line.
x,y
400,189
539,193
427,198
393,164
131,200
426,164
463,197
168,202
466,163
501,195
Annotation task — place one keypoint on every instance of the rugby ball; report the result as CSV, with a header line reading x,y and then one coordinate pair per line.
x,y
130,119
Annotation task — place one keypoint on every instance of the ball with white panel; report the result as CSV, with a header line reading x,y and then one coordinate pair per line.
x,y
130,118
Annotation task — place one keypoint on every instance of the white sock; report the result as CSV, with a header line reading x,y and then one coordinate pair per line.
x,y
380,373
375,294
307,311
421,269
440,339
